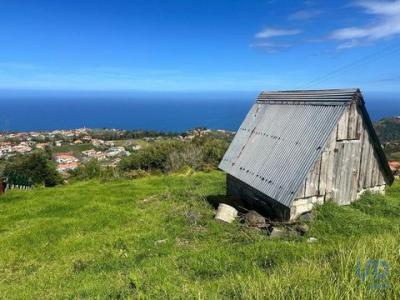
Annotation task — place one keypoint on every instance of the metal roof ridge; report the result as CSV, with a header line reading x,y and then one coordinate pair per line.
x,y
343,90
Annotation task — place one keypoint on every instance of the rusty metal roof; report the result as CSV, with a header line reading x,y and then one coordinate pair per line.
x,y
281,138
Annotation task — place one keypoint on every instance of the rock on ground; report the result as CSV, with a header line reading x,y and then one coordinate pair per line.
x,y
306,217
277,232
302,228
254,219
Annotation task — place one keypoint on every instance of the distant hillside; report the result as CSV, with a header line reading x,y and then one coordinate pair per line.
x,y
388,129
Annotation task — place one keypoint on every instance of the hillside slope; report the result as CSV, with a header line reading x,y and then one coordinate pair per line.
x,y
388,129
156,238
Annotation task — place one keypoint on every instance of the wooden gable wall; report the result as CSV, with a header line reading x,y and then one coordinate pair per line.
x,y
347,166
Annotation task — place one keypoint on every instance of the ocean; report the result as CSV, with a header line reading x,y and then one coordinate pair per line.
x,y
167,113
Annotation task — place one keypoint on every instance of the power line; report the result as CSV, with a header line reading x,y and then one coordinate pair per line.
x,y
366,59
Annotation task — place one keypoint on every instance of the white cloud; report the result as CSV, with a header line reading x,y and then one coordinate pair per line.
x,y
302,15
265,38
270,46
276,32
381,7
350,44
386,24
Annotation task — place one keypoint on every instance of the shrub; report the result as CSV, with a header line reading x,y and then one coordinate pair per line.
x,y
133,174
35,168
188,156
153,157
93,169
89,170
202,153
214,150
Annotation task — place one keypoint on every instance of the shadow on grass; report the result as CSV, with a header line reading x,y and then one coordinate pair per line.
x,y
235,202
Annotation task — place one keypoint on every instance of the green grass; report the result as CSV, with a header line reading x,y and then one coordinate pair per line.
x,y
75,149
123,143
394,156
155,238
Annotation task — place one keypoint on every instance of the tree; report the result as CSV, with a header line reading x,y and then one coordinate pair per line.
x,y
35,168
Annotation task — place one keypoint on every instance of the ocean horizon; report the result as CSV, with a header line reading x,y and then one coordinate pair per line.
x,y
144,112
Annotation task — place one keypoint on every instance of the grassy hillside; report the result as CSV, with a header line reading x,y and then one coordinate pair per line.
x,y
388,129
156,238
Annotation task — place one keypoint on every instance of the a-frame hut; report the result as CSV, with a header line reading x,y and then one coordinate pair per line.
x,y
298,148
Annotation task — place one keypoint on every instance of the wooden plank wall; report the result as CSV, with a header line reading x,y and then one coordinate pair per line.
x,y
347,165
347,172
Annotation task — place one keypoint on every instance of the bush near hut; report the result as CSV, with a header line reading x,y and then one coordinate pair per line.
x,y
154,157
201,153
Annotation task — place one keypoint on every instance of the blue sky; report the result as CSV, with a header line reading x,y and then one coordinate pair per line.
x,y
186,45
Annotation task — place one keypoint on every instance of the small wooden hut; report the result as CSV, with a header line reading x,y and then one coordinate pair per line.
x,y
298,148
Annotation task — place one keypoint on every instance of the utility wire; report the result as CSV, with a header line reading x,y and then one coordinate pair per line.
x,y
366,59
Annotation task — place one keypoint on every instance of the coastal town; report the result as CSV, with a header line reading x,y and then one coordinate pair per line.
x,y
71,148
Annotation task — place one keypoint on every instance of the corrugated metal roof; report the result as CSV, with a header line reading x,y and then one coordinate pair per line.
x,y
318,97
281,137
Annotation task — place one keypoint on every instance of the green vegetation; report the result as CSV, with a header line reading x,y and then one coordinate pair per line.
x,y
394,156
160,156
155,238
202,153
93,169
388,129
36,168
113,134
74,149
130,142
